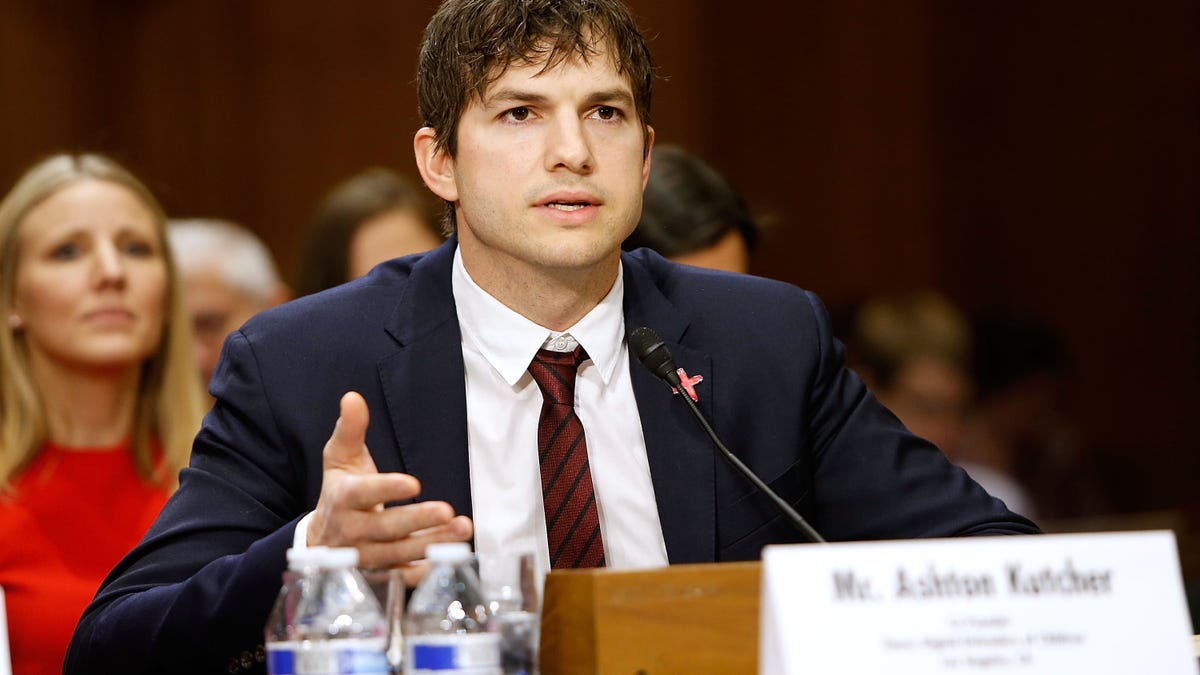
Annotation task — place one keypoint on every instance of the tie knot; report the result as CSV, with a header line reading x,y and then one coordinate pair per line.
x,y
555,373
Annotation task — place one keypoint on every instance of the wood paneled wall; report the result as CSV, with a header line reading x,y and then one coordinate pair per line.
x,y
1041,156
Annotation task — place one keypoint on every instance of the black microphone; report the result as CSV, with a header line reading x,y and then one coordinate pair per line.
x,y
653,353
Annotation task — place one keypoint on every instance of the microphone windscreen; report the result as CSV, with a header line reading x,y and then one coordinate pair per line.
x,y
653,353
642,341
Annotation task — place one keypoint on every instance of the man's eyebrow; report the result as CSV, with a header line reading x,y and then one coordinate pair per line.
x,y
511,96
619,97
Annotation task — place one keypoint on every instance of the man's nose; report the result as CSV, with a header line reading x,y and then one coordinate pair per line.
x,y
569,146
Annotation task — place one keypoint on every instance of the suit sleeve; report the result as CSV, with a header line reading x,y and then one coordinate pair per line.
x,y
194,595
873,479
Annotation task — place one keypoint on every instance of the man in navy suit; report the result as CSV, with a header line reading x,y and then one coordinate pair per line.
x,y
537,137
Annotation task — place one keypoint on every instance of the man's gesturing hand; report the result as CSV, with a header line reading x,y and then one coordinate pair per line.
x,y
350,509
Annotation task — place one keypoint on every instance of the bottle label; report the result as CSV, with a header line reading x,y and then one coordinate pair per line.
x,y
457,654
343,657
281,658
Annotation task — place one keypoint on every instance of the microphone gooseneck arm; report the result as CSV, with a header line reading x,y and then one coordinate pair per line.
x,y
654,355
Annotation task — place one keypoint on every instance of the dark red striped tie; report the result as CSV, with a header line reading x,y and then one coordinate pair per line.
x,y
572,523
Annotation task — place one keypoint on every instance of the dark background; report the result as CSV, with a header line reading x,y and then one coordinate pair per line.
x,y
1040,156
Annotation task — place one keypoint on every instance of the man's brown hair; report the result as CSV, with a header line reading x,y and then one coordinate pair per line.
x,y
471,43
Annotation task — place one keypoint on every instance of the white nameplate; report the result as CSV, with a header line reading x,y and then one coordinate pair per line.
x,y
1034,605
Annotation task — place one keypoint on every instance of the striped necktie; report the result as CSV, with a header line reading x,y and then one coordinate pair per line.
x,y
572,522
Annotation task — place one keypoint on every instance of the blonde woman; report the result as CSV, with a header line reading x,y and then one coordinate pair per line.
x,y
99,398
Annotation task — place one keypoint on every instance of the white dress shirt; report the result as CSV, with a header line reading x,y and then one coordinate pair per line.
x,y
503,408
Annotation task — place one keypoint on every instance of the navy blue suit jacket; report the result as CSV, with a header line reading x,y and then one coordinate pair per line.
x,y
194,595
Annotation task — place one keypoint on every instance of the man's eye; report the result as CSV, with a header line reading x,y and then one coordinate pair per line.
x,y
607,113
518,114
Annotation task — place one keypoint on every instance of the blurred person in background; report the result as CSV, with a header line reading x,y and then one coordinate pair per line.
x,y
228,276
1018,423
99,398
914,352
692,214
374,216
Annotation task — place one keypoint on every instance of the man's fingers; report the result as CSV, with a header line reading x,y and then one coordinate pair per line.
x,y
412,547
417,520
367,492
358,527
407,521
347,446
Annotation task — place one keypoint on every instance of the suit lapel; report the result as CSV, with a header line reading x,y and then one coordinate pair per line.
x,y
679,452
423,383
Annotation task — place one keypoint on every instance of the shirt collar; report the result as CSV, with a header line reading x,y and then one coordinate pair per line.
x,y
508,340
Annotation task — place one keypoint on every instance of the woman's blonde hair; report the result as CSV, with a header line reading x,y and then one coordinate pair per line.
x,y
170,399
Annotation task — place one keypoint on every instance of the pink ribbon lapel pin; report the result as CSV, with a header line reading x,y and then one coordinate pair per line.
x,y
689,383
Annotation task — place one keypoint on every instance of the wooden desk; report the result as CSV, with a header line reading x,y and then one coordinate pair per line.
x,y
679,619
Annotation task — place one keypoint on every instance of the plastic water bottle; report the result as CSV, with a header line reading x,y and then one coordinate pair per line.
x,y
339,624
280,634
447,627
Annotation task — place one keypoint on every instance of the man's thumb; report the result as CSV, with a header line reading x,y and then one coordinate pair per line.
x,y
347,447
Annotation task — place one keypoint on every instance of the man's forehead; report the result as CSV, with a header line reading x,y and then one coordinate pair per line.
x,y
532,71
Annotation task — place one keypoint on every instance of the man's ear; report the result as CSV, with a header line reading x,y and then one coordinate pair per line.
x,y
435,164
646,160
